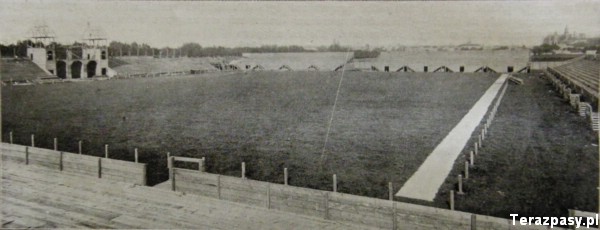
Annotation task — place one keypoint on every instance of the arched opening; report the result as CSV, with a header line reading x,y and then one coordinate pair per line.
x,y
61,69
76,69
91,69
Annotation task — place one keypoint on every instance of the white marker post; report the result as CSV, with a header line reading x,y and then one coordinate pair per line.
x,y
285,176
32,140
80,147
105,151
55,144
334,183
466,170
472,158
136,155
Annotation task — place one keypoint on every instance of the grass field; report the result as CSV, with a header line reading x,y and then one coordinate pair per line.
x,y
384,127
539,159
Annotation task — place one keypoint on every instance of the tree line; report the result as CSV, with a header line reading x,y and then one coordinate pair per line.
x,y
116,48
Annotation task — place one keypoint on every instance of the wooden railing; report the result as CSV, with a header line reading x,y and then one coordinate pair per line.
x,y
106,168
386,214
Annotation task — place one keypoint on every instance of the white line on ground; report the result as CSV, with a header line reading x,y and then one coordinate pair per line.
x,y
337,93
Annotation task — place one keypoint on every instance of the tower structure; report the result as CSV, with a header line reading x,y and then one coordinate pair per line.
x,y
42,49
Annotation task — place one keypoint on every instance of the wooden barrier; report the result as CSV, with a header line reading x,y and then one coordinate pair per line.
x,y
111,169
331,205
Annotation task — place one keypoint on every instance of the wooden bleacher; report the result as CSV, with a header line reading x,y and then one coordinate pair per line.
x,y
582,74
42,197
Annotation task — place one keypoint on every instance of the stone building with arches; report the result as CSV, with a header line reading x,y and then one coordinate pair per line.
x,y
79,61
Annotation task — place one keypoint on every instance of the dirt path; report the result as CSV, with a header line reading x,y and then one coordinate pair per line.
x,y
424,184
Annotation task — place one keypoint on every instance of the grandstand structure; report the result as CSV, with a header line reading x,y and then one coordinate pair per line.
x,y
84,60
578,81
150,66
307,61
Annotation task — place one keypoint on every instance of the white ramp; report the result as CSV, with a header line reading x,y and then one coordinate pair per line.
x,y
424,184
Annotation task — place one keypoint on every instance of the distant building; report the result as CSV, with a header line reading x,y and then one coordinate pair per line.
x,y
86,60
564,40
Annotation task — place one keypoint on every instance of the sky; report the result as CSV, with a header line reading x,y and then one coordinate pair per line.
x,y
385,24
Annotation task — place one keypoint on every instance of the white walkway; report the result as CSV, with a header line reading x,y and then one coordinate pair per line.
x,y
424,184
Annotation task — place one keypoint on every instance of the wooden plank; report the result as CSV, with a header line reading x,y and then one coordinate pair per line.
x,y
198,190
137,181
129,173
71,157
187,159
242,197
193,176
384,222
14,157
117,163
343,198
298,210
12,147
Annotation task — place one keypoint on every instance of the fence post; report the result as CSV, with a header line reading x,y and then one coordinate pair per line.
x,y
99,167
169,160
243,170
55,144
326,205
472,158
483,134
473,222
32,140
26,155
105,151
10,137
334,183
285,176
391,191
476,152
80,147
268,195
460,187
479,140
60,161
172,178
466,170
136,155
202,166
219,186
451,199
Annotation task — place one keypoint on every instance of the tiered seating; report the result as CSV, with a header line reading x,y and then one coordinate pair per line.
x,y
20,70
320,61
38,197
583,73
150,65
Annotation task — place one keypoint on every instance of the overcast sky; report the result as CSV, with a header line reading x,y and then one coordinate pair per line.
x,y
162,23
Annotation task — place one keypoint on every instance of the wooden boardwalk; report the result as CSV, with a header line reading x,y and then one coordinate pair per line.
x,y
424,183
34,196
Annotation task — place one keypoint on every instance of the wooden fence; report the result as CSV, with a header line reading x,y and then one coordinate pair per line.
x,y
336,206
111,169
